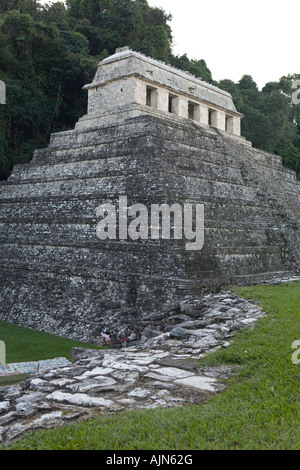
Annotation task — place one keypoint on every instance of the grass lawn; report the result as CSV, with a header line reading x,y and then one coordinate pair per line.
x,y
259,410
24,345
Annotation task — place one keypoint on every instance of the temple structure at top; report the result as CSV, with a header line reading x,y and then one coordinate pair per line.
x,y
128,84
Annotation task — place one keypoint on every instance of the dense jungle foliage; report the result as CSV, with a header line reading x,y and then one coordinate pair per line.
x,y
48,52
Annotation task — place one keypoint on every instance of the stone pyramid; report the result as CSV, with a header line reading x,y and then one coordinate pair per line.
x,y
58,276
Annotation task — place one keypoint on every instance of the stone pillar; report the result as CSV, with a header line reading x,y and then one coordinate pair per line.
x,y
213,118
229,124
139,91
217,119
162,100
203,114
182,107
221,116
197,112
236,125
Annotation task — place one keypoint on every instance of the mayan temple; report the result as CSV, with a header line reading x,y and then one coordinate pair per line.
x,y
152,135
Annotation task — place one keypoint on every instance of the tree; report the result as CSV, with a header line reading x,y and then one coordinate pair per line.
x,y
272,121
44,71
48,52
193,66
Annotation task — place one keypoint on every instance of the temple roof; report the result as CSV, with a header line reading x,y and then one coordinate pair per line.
x,y
126,62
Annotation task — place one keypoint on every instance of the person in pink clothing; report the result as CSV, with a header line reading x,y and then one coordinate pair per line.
x,y
105,334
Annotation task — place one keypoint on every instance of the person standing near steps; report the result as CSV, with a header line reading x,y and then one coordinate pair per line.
x,y
105,334
129,336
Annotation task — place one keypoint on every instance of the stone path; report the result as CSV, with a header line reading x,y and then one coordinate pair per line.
x,y
32,366
160,370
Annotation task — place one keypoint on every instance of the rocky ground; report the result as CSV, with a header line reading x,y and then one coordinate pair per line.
x,y
160,369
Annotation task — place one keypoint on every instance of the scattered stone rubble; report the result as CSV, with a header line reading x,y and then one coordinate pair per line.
x,y
159,369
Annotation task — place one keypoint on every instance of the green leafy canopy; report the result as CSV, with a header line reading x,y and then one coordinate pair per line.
x,y
49,51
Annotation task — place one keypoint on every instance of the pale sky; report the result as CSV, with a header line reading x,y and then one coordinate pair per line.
x,y
256,37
